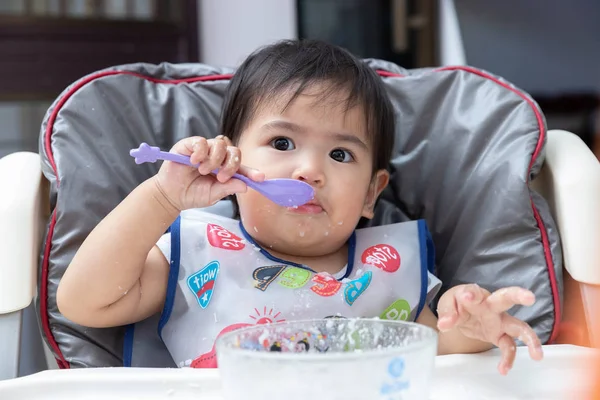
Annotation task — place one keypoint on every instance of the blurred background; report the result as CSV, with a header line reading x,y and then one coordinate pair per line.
x,y
549,48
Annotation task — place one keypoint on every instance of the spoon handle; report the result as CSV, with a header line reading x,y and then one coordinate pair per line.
x,y
147,153
178,158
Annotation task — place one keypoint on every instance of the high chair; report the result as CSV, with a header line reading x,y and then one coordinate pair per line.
x,y
53,199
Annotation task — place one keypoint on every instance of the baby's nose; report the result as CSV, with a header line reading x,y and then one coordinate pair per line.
x,y
311,173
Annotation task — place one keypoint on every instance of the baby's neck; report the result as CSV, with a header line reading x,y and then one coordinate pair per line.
x,y
331,263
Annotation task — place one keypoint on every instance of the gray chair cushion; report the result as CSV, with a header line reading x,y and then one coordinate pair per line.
x,y
467,145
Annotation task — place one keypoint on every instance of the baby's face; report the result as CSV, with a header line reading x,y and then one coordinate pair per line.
x,y
323,144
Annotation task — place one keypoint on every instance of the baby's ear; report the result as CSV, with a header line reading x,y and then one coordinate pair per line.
x,y
378,183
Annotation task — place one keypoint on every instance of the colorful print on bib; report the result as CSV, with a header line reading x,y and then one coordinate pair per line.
x,y
265,318
382,256
325,285
202,283
294,277
357,287
299,342
264,276
397,311
209,359
222,238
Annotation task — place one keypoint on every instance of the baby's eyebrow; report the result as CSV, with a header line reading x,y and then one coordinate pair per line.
x,y
346,137
292,127
284,125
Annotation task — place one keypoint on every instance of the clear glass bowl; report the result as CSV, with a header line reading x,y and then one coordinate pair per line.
x,y
328,359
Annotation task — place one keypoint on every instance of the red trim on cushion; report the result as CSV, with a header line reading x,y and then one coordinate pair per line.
x,y
62,363
536,153
387,74
538,115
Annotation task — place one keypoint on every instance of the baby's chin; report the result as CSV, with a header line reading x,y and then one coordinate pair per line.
x,y
306,249
300,243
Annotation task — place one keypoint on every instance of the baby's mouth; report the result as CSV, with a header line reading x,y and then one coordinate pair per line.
x,y
312,207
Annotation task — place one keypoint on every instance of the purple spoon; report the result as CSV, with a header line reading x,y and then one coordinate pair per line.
x,y
285,192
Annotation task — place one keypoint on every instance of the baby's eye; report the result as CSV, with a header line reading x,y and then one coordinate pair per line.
x,y
283,144
340,155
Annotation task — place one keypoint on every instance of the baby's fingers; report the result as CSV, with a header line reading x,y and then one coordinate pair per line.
x,y
221,190
217,152
455,308
226,139
252,173
522,331
508,351
189,146
199,150
504,299
231,164
447,313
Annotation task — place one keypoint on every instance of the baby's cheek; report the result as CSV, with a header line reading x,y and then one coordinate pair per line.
x,y
342,224
349,207
254,209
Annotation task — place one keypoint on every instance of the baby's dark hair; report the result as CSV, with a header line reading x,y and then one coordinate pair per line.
x,y
294,65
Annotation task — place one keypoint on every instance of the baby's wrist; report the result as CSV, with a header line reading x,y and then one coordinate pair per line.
x,y
161,196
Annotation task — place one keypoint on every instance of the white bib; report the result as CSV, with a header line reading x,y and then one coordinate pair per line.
x,y
220,280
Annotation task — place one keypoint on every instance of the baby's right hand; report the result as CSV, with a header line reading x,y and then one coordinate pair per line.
x,y
186,187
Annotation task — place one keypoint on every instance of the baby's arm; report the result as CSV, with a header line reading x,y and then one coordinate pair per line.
x,y
471,320
119,276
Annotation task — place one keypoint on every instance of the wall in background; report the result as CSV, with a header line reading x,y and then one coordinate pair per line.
x,y
80,8
20,125
542,46
232,29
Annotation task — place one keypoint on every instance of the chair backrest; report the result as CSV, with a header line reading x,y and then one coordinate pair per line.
x,y
468,144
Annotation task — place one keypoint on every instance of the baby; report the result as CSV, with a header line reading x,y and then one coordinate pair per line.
x,y
303,110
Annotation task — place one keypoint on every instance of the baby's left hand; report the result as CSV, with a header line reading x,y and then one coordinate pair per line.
x,y
479,315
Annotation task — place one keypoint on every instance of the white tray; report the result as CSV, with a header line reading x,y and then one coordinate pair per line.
x,y
565,373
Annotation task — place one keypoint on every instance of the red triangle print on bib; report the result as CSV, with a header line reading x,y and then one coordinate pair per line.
x,y
222,238
382,256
